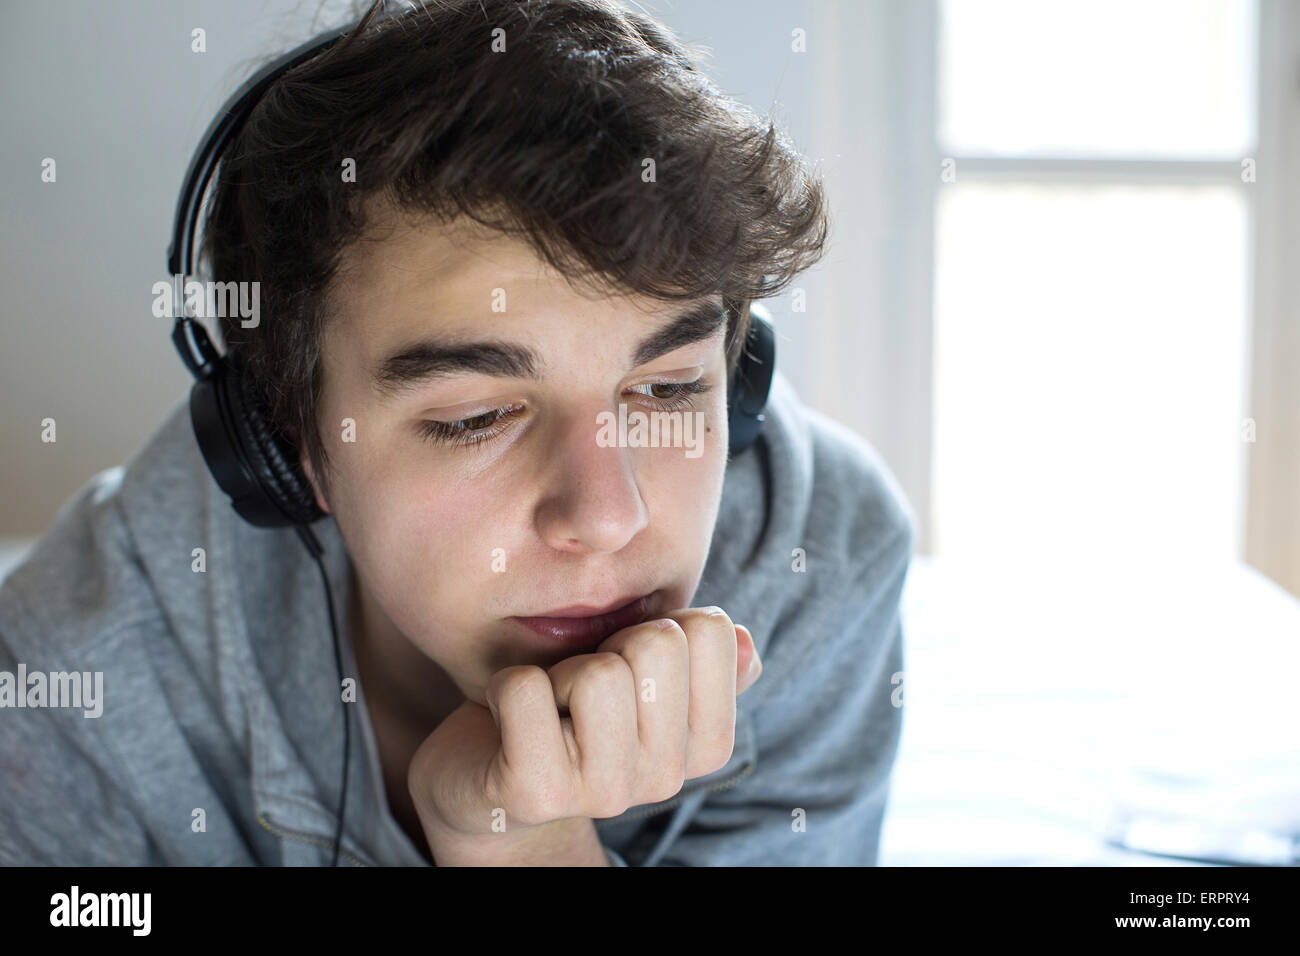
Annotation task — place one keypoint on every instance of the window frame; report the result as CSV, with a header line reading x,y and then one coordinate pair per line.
x,y
1269,537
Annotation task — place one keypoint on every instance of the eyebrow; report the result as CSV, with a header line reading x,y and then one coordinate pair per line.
x,y
418,363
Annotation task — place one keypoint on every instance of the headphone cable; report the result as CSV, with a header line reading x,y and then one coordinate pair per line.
x,y
315,549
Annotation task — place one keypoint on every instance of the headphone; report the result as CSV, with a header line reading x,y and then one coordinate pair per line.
x,y
257,468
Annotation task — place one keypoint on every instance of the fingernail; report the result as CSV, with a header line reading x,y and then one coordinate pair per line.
x,y
755,667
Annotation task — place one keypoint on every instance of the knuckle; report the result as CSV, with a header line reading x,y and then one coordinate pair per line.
x,y
605,666
508,680
657,640
710,616
668,625
672,635
509,683
715,613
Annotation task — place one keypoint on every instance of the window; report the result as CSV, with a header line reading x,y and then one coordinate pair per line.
x,y
1092,290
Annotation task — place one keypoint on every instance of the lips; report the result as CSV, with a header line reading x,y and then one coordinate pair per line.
x,y
587,610
582,625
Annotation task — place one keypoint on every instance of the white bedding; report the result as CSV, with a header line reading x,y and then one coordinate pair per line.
x,y
1049,714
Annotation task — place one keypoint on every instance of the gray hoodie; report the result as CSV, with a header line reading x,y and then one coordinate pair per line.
x,y
208,729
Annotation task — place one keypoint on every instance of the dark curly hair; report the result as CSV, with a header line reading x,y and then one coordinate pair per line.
x,y
544,140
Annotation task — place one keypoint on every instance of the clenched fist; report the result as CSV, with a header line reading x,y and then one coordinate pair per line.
x,y
653,707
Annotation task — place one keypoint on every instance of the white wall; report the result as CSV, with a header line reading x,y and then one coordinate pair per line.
x,y
112,92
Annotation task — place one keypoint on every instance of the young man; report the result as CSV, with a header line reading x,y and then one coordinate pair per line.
x,y
553,218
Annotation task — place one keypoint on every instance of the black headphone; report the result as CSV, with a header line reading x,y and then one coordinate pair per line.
x,y
250,461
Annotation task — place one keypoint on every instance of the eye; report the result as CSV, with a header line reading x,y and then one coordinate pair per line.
x,y
679,395
487,425
470,431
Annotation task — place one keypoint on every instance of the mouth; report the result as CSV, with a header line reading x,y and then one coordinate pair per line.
x,y
584,626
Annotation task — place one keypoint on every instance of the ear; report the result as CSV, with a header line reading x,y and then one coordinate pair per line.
x,y
304,462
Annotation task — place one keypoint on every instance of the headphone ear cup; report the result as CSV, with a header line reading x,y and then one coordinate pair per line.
x,y
751,383
271,458
250,464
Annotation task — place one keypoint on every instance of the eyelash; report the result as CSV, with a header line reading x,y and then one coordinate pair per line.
x,y
451,433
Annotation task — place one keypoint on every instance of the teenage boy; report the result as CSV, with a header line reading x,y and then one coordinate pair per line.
x,y
480,228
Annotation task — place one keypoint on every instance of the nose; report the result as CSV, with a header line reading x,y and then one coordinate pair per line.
x,y
594,503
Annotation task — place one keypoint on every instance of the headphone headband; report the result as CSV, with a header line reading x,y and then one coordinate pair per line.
x,y
228,121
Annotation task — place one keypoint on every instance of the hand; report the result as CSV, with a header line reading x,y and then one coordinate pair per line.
x,y
597,733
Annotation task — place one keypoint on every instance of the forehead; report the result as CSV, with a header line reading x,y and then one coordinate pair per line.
x,y
409,265
409,277
403,256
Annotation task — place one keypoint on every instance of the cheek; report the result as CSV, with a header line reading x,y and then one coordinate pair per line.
x,y
430,528
426,547
687,490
